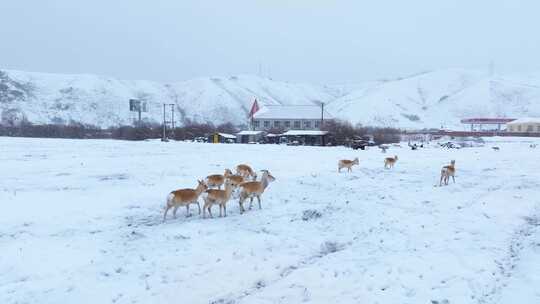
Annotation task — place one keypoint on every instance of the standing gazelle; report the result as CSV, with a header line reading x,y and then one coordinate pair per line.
x,y
245,171
217,197
254,189
345,163
389,162
184,197
234,179
215,180
448,171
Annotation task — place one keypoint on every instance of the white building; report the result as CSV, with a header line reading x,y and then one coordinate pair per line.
x,y
289,118
524,125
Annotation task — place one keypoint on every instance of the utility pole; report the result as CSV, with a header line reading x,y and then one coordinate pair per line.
x,y
164,136
322,116
172,119
165,122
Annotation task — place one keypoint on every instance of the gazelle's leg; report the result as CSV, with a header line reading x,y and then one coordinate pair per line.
x,y
220,211
225,209
199,206
165,214
259,200
241,203
174,210
210,210
454,179
250,202
187,210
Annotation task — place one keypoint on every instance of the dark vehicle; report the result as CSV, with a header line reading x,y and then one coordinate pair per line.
x,y
362,143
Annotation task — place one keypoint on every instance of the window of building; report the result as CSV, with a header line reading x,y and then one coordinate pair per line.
x,y
307,124
256,123
510,128
287,124
277,124
519,128
529,128
317,123
267,124
537,128
297,124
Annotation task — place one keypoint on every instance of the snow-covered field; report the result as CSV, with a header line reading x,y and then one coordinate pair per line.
x,y
81,223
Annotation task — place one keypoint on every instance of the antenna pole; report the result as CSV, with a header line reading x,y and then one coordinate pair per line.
x,y
322,116
164,137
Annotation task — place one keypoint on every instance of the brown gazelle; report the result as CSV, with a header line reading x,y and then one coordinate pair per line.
x,y
345,163
254,189
234,179
448,171
217,197
245,171
389,162
184,197
215,180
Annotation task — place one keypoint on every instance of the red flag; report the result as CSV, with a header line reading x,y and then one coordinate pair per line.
x,y
254,108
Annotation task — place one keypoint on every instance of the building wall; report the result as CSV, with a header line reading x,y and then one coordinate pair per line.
x,y
287,124
523,127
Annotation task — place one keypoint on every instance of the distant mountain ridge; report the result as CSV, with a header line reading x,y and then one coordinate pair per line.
x,y
424,100
103,101
440,99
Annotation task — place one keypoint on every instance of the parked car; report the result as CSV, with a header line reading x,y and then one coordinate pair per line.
x,y
451,145
361,144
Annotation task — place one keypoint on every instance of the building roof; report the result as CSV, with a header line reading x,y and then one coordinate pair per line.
x,y
478,120
305,133
249,132
227,135
525,120
291,112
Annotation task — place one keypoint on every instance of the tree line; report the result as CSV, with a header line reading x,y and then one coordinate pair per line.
x,y
340,132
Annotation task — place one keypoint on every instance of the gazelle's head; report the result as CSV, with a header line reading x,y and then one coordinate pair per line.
x,y
228,172
453,162
355,161
266,175
202,186
395,157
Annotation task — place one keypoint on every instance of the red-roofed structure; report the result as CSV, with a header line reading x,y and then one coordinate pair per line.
x,y
480,122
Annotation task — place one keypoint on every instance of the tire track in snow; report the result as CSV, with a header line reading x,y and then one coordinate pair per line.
x,y
507,264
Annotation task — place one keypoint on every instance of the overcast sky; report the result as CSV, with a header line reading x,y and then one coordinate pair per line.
x,y
315,41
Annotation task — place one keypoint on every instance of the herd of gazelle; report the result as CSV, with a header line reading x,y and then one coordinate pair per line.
x,y
245,180
389,162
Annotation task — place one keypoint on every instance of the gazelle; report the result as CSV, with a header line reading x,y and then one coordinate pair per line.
x,y
245,171
184,197
234,179
254,189
448,171
389,162
217,197
345,163
215,180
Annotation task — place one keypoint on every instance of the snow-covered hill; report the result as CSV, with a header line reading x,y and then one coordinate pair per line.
x,y
103,101
427,100
440,98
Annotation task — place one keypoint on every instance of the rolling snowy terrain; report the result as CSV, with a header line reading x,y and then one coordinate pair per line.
x,y
427,100
440,99
82,223
103,101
